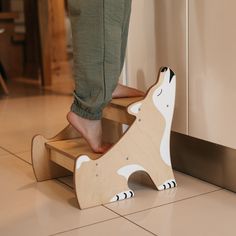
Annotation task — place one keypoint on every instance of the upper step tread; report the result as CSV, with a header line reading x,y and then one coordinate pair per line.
x,y
117,110
73,148
125,102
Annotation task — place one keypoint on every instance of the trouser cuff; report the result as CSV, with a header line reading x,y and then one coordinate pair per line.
x,y
85,112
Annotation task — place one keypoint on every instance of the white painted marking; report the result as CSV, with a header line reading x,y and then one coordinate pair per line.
x,y
121,196
164,100
81,160
113,199
128,170
135,108
161,187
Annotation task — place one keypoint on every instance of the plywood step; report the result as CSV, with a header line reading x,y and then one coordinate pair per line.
x,y
65,152
125,102
117,110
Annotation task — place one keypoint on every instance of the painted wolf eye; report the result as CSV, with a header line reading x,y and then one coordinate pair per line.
x,y
159,93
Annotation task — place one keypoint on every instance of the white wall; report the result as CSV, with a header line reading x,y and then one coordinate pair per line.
x,y
141,53
158,38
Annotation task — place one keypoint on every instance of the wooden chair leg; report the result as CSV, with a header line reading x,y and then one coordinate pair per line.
x,y
4,86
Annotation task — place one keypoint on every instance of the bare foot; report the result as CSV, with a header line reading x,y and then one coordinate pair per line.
x,y
91,130
122,91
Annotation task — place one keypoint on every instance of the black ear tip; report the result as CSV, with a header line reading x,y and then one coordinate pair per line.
x,y
164,69
172,74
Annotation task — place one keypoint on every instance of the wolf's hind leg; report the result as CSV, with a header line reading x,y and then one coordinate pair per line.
x,y
122,195
171,183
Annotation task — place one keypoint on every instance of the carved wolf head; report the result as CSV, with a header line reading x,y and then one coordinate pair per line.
x,y
162,94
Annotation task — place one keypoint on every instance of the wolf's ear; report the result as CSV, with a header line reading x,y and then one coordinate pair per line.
x,y
134,108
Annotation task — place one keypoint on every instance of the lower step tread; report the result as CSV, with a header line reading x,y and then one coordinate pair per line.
x,y
73,148
65,152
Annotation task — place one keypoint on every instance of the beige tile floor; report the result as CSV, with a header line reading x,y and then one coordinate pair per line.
x,y
49,208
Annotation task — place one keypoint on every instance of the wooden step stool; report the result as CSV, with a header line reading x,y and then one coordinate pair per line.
x,y
103,178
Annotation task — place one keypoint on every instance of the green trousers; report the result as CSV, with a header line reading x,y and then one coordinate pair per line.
x,y
99,32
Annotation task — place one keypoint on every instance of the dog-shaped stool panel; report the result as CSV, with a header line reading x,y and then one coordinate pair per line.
x,y
145,146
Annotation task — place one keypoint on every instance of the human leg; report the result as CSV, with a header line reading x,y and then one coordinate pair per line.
x,y
121,90
97,30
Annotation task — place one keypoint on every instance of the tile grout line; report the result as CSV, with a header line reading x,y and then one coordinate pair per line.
x,y
119,216
177,201
60,181
84,226
139,226
48,92
125,216
15,155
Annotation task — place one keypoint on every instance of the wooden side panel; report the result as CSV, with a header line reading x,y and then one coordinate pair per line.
x,y
144,147
44,169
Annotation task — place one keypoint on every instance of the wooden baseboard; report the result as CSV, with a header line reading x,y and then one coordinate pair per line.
x,y
207,161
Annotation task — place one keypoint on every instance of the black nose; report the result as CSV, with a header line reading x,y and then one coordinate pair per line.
x,y
172,74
